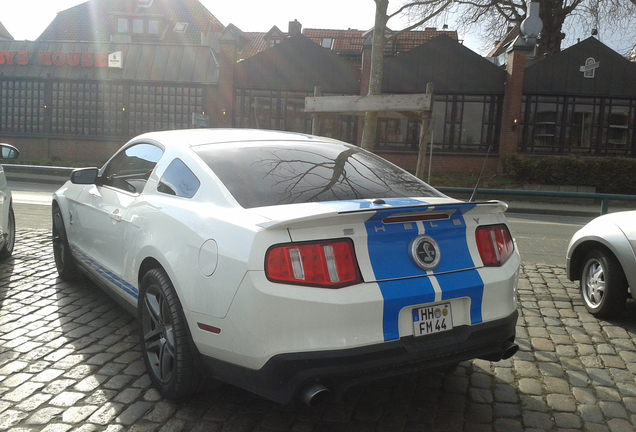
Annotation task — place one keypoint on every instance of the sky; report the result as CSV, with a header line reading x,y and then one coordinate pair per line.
x,y
27,19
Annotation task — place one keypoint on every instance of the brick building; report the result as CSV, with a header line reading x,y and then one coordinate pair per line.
x,y
107,70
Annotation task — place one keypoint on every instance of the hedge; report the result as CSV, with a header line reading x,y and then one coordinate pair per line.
x,y
606,174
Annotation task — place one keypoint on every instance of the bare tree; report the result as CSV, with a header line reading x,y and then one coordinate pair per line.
x,y
380,39
562,20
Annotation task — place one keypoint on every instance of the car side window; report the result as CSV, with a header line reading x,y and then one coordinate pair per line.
x,y
178,180
130,169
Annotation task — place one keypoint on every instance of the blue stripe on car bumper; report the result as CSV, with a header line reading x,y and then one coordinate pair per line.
x,y
403,284
398,294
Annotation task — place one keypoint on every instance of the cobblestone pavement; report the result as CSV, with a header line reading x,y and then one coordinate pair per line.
x,y
70,361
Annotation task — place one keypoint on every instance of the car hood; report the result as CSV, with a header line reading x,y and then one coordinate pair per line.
x,y
600,226
625,221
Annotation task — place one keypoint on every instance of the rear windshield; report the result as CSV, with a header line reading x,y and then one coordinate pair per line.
x,y
265,174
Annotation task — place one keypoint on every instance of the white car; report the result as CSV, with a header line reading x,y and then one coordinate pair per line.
x,y
286,264
601,256
7,218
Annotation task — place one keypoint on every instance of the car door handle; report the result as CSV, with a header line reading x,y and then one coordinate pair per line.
x,y
115,216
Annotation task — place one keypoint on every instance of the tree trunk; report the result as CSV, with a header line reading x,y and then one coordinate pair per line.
x,y
553,17
375,80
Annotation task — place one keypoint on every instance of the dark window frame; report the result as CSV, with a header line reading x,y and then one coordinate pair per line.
x,y
285,110
608,129
446,129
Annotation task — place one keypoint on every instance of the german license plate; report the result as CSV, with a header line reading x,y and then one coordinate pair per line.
x,y
432,319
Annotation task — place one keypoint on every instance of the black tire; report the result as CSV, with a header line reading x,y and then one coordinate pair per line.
x,y
64,261
165,340
603,284
7,249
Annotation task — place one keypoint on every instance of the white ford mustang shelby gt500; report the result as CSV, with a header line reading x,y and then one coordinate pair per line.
x,y
285,264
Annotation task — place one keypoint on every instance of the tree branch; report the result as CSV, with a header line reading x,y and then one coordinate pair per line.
x,y
421,21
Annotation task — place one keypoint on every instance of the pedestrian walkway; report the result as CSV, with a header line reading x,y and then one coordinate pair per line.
x,y
70,361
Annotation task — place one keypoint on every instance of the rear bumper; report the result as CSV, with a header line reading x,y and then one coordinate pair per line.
x,y
284,375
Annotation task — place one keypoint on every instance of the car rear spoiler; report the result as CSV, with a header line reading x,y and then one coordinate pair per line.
x,y
332,213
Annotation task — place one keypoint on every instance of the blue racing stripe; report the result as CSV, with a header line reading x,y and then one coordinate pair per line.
x,y
404,284
106,275
467,283
397,295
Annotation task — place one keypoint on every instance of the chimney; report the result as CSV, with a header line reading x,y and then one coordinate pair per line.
x,y
295,28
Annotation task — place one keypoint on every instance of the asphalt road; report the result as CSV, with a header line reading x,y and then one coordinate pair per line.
x,y
542,239
32,205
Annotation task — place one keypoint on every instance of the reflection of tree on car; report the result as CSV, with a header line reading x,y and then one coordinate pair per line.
x,y
284,174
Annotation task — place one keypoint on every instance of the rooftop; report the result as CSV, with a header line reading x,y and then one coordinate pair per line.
x,y
4,33
167,21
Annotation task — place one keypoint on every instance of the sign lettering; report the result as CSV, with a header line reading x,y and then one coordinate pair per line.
x,y
87,59
9,57
589,68
58,58
45,58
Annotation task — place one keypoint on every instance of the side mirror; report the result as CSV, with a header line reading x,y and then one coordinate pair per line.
x,y
84,176
8,151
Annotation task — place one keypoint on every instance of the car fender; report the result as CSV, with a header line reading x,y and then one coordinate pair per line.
x,y
60,199
608,235
176,239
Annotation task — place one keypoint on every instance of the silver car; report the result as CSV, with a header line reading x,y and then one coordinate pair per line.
x,y
601,255
7,221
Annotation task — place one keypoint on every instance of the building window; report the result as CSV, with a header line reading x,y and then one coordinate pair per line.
x,y
122,25
592,126
78,109
581,125
22,106
274,42
282,110
153,27
327,43
138,26
96,109
546,130
460,123
180,27
617,128
156,107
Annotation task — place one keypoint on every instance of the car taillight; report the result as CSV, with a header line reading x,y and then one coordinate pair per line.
x,y
330,264
495,244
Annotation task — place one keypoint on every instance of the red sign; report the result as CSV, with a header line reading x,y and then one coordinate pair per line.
x,y
14,57
48,58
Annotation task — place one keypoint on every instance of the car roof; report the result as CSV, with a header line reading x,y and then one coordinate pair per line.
x,y
196,137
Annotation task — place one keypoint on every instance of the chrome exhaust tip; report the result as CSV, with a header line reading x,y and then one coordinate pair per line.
x,y
314,394
505,351
509,349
